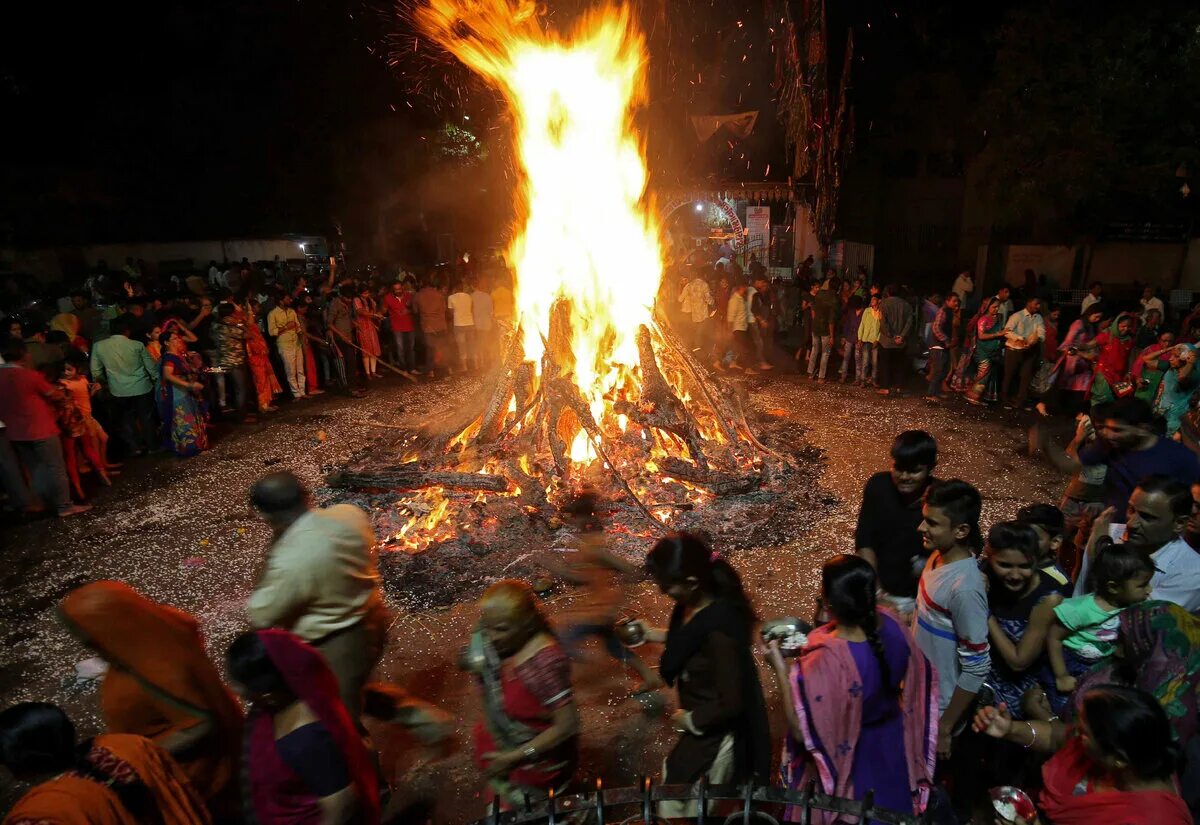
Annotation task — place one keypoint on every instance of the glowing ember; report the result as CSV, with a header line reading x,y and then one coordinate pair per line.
x,y
588,236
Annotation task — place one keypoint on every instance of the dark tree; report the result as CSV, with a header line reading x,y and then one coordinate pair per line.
x,y
1092,108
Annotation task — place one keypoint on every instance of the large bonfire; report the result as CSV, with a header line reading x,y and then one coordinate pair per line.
x,y
592,385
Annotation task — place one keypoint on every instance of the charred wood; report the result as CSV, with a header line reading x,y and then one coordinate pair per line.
x,y
721,484
415,477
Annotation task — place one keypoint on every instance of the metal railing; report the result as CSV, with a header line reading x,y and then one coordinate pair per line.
x,y
626,806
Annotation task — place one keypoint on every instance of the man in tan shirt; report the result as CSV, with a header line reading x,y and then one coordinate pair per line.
x,y
321,581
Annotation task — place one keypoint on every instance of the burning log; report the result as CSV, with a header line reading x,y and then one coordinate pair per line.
x,y
492,424
413,476
660,407
710,391
717,483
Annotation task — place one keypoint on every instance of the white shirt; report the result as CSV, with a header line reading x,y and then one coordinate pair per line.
x,y
463,307
1153,303
1088,300
1020,326
964,285
696,299
1006,308
1177,579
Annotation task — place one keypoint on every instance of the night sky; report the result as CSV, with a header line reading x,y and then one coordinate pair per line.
x,y
172,120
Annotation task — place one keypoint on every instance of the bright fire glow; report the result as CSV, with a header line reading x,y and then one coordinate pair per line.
x,y
588,235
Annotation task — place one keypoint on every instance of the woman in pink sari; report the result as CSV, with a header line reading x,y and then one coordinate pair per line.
x,y
879,732
304,759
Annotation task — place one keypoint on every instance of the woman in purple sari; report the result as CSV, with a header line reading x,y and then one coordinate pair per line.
x,y
863,712
181,406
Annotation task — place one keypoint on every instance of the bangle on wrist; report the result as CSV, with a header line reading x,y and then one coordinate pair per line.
x,y
530,753
1033,733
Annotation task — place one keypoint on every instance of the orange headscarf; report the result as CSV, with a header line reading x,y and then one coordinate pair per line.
x,y
160,680
73,800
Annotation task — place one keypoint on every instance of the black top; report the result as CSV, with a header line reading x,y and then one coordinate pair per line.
x,y
710,659
887,524
313,756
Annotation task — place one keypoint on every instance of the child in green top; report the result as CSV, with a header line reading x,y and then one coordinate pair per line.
x,y
1085,627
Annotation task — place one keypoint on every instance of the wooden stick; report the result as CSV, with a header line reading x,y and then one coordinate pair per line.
x,y
387,364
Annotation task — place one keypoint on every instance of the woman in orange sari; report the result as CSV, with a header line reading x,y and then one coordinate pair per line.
x,y
114,779
161,685
258,357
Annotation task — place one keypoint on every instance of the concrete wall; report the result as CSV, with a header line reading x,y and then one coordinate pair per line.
x,y
1057,263
1167,266
1191,267
1156,264
199,252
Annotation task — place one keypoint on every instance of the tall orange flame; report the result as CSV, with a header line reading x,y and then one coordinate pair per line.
x,y
588,235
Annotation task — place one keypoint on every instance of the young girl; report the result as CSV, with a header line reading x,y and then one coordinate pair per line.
x,y
74,433
600,573
366,321
1022,602
1085,627
722,718
878,736
74,378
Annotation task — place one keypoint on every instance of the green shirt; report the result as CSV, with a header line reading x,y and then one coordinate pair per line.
x,y
124,366
1093,631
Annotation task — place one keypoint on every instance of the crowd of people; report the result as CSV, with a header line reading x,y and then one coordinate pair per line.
x,y
156,362
1014,347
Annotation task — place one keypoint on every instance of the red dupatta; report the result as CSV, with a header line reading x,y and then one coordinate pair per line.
x,y
1071,766
311,681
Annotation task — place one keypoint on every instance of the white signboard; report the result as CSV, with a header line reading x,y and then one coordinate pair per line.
x,y
758,230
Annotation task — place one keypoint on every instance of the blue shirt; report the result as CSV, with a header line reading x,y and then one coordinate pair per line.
x,y
1126,469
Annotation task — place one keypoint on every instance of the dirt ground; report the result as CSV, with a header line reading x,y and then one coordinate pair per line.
x,y
182,533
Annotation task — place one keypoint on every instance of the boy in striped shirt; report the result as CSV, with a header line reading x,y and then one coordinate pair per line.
x,y
951,621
